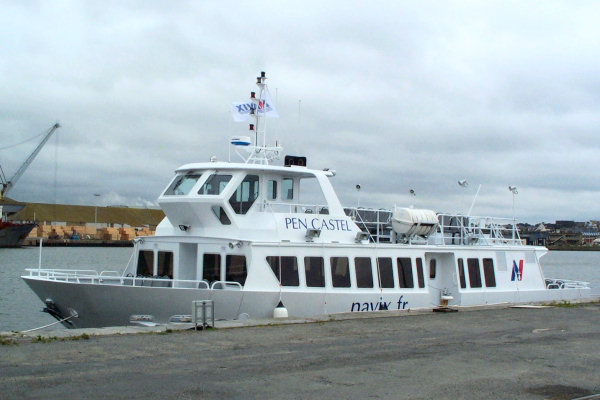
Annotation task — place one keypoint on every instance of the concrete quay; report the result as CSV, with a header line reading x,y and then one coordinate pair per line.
x,y
496,352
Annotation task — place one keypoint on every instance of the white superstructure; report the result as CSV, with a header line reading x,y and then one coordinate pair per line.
x,y
240,235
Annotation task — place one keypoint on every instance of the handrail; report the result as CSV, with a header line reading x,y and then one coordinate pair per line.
x,y
556,283
461,229
294,208
225,285
114,278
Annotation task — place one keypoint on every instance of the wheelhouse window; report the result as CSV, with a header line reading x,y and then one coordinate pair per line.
x,y
488,272
461,273
432,268
245,195
221,215
386,272
211,267
405,273
364,272
340,272
215,184
165,264
235,269
285,267
287,189
145,266
182,184
420,276
315,271
474,272
271,190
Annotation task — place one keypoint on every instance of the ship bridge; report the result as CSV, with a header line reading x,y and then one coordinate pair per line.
x,y
254,202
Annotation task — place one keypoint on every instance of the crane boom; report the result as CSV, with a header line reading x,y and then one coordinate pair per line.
x,y
6,187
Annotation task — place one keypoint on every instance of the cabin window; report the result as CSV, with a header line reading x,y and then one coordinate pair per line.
x,y
271,190
364,272
474,272
488,272
287,189
386,272
182,185
340,271
245,195
420,272
288,267
215,184
221,215
315,271
405,273
165,264
211,267
461,273
145,266
235,269
432,268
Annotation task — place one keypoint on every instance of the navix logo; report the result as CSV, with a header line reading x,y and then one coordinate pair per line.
x,y
517,271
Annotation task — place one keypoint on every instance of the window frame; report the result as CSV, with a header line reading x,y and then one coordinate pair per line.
x,y
279,264
179,180
208,180
235,276
347,283
401,267
284,197
218,264
147,262
473,265
432,268
389,274
319,268
460,263
489,272
165,264
358,264
420,274
241,206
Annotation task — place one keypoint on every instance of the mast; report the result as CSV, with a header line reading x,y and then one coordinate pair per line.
x,y
259,152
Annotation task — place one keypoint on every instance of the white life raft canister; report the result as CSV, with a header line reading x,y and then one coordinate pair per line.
x,y
412,221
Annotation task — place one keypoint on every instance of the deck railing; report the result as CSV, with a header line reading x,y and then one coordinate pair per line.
x,y
453,229
473,230
293,208
114,278
552,283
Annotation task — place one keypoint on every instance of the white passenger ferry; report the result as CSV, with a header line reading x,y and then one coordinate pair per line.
x,y
237,234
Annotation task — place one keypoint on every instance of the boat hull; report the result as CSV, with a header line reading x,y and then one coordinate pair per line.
x,y
102,305
12,235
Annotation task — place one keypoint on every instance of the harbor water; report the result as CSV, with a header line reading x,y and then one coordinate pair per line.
x,y
20,309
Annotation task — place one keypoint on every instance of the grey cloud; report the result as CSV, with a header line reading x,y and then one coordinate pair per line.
x,y
393,96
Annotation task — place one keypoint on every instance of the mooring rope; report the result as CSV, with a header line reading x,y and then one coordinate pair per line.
x,y
45,326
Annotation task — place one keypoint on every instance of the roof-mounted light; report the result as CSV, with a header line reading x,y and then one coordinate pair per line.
x,y
311,234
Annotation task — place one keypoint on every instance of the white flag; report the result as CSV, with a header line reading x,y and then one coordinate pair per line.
x,y
241,111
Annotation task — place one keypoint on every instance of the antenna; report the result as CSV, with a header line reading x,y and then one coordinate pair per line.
x,y
474,199
514,191
463,184
357,187
413,194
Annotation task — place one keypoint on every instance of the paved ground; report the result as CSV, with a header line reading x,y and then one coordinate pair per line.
x,y
550,353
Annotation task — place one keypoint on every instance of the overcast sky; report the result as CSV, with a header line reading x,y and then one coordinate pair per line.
x,y
392,95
